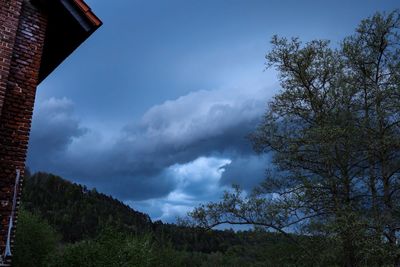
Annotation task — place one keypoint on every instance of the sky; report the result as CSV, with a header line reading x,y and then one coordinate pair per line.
x,y
156,106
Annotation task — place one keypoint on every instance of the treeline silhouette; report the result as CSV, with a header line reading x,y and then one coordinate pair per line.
x,y
66,224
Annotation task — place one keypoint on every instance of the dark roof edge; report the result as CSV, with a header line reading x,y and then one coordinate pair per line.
x,y
77,23
80,7
85,9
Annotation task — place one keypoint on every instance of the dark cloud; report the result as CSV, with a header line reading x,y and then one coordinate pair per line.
x,y
133,166
198,124
53,130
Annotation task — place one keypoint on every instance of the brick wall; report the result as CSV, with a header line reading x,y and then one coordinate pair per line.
x,y
9,17
21,47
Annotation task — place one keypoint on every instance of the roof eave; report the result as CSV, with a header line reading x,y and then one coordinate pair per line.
x,y
65,35
88,13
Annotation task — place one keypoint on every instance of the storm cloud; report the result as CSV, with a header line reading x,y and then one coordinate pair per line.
x,y
202,135
102,118
54,129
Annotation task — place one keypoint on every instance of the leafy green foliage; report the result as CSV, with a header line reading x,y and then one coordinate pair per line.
x,y
36,241
110,248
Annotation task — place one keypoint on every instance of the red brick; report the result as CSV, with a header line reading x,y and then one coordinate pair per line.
x,y
24,27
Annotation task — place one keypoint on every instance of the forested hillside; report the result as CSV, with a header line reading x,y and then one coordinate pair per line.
x,y
64,224
76,212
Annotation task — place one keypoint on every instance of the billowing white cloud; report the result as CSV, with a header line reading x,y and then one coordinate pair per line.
x,y
196,182
200,115
198,178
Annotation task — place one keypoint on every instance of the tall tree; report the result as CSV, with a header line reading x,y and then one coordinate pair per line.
x,y
334,133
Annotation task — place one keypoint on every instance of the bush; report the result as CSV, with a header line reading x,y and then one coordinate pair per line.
x,y
35,241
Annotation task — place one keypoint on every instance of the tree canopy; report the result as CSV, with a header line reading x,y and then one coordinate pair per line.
x,y
334,133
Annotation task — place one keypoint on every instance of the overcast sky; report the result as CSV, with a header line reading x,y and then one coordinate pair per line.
x,y
155,107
